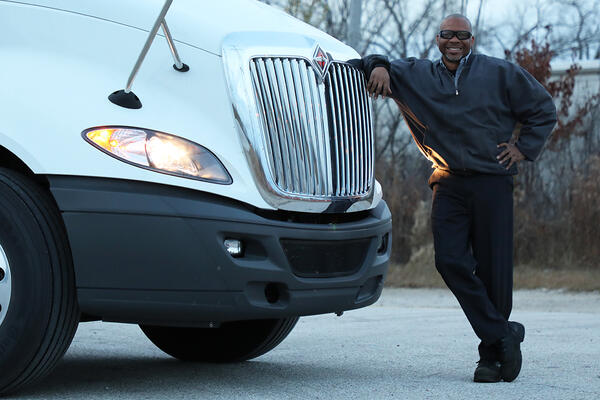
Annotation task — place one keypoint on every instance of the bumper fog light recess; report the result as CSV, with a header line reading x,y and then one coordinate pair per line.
x,y
383,244
234,247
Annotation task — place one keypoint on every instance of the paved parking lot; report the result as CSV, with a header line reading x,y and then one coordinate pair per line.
x,y
413,344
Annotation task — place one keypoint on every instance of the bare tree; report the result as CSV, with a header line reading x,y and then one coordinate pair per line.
x,y
579,20
570,25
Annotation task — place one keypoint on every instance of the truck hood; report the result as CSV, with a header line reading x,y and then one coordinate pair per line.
x,y
202,24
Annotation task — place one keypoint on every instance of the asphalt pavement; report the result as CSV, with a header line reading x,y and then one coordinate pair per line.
x,y
412,344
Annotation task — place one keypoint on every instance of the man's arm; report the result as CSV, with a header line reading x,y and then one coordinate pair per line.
x,y
376,68
533,107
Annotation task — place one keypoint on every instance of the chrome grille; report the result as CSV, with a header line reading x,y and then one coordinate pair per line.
x,y
317,136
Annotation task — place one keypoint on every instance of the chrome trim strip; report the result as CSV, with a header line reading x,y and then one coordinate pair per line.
x,y
371,152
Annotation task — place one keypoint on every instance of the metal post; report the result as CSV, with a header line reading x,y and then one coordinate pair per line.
x,y
178,64
148,43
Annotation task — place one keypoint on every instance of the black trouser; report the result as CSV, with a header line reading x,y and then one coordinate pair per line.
x,y
472,221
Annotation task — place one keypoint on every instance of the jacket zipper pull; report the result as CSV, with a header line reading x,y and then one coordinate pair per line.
x,y
457,92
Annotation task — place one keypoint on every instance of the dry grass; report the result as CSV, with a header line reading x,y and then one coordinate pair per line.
x,y
420,271
527,277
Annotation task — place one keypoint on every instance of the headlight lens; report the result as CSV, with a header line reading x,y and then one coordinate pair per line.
x,y
159,152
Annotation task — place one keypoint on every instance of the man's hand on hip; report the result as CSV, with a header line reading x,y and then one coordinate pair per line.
x,y
510,154
379,83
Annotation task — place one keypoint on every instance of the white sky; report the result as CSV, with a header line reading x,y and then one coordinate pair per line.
x,y
499,13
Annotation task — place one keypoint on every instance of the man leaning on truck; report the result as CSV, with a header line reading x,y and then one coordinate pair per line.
x,y
461,111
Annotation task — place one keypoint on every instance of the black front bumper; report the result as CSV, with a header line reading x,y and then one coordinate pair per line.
x,y
154,254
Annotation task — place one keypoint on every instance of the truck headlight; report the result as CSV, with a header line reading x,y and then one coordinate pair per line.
x,y
159,152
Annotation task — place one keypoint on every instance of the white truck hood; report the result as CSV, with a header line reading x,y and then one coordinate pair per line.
x,y
199,23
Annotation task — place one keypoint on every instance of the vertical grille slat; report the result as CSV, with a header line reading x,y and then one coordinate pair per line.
x,y
284,103
347,109
363,132
338,126
267,120
294,121
355,129
281,125
370,150
309,129
326,139
317,135
345,150
320,118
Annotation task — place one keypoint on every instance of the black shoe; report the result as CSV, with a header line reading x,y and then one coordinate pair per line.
x,y
510,351
487,371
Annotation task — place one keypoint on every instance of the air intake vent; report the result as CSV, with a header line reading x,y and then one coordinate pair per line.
x,y
325,259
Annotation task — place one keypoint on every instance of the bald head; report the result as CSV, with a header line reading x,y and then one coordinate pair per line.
x,y
456,16
452,47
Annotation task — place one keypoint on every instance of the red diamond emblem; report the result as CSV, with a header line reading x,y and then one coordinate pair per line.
x,y
321,62
321,58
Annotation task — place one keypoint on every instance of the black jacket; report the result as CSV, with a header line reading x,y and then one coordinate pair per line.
x,y
458,125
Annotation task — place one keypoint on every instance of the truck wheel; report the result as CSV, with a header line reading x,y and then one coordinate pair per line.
x,y
38,307
231,342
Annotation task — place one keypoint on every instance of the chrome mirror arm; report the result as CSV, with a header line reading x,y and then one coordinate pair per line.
x,y
126,98
179,65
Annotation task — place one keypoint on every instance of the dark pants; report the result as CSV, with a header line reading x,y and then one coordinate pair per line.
x,y
472,221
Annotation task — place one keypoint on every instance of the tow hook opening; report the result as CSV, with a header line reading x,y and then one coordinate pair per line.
x,y
268,294
272,293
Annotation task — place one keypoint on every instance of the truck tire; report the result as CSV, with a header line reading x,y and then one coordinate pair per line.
x,y
39,312
231,342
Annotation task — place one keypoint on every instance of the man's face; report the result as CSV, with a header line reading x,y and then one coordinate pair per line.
x,y
454,49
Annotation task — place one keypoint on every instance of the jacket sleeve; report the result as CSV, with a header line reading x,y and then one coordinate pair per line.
x,y
369,63
533,107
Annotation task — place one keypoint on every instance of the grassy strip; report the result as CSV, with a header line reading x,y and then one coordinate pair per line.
x,y
415,274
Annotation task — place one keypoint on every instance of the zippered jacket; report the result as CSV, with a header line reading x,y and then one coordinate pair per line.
x,y
458,120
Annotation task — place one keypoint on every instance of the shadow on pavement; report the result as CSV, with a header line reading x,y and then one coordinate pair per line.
x,y
79,377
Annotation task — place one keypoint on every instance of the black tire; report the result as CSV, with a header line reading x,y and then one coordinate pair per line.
x,y
41,316
231,342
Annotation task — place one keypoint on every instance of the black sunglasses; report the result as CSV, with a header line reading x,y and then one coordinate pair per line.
x,y
461,35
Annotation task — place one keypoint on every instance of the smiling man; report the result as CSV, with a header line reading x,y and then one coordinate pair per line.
x,y
462,111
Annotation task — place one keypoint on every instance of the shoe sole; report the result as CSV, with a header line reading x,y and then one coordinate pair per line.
x,y
487,380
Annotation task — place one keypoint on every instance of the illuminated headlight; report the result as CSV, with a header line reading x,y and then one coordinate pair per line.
x,y
159,152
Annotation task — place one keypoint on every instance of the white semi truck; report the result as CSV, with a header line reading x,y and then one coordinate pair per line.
x,y
210,180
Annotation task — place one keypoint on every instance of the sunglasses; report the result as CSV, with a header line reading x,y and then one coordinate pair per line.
x,y
461,35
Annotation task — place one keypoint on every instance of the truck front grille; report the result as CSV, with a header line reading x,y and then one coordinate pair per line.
x,y
317,135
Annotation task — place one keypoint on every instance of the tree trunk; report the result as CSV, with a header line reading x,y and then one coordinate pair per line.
x,y
354,29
